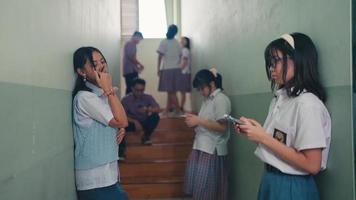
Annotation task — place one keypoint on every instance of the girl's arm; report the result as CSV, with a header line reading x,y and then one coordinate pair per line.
x,y
183,62
160,56
119,120
308,160
194,120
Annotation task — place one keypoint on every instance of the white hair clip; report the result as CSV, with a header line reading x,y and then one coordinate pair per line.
x,y
288,38
214,71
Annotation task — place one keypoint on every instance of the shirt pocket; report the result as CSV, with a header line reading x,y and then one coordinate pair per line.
x,y
284,133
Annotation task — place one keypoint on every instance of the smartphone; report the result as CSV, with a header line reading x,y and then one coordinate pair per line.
x,y
232,119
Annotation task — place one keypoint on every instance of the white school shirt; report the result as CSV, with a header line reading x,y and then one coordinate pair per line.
x,y
171,51
301,122
95,106
186,54
213,108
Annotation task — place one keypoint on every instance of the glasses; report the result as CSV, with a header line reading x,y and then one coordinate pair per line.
x,y
201,88
274,61
139,90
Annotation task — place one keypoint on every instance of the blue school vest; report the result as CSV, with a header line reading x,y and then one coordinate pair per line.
x,y
95,145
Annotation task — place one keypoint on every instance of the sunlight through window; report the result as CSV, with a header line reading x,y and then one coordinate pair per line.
x,y
152,18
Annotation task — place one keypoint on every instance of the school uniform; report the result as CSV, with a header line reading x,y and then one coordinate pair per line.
x,y
148,121
130,69
206,171
169,80
301,122
96,151
185,76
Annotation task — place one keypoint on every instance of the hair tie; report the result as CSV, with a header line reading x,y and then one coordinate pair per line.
x,y
214,71
288,38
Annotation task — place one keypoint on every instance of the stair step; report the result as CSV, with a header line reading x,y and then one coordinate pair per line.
x,y
172,124
149,191
170,151
152,169
160,136
152,161
157,171
151,180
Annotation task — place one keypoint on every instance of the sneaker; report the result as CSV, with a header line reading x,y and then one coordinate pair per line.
x,y
146,141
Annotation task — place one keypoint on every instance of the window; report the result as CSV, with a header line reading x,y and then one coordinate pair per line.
x,y
129,17
152,18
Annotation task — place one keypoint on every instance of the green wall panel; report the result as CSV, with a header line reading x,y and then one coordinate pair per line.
x,y
36,148
246,169
232,35
38,38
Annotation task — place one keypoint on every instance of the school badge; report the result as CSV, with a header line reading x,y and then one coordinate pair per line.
x,y
280,136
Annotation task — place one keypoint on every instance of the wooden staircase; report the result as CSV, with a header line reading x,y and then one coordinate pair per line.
x,y
157,171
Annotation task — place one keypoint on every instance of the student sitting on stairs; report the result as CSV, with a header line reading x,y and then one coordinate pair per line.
x,y
142,111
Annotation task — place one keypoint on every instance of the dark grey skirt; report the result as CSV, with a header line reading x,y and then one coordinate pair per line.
x,y
169,80
185,82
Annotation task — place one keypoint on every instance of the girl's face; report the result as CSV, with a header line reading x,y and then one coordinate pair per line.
x,y
183,42
89,71
277,68
206,90
99,62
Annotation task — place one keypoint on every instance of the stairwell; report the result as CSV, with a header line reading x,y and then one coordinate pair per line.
x,y
157,171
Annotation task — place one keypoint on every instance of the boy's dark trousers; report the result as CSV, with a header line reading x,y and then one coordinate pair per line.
x,y
128,80
149,125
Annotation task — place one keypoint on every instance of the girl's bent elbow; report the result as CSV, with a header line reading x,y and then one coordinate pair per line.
x,y
315,170
118,124
125,124
122,124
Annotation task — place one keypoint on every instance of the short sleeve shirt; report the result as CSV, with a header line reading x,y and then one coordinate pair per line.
x,y
132,105
90,106
213,108
129,53
186,55
171,51
301,122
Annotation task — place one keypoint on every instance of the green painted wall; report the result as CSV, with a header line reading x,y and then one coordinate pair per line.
x,y
232,35
38,38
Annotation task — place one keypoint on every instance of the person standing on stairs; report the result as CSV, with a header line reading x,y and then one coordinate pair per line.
x,y
98,122
142,110
186,68
206,171
131,66
168,69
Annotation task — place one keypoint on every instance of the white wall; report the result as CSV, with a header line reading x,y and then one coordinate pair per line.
x,y
146,54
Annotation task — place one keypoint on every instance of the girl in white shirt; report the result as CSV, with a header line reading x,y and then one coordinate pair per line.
x,y
206,171
294,141
168,69
185,76
97,116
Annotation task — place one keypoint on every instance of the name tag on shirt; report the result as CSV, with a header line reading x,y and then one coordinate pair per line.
x,y
280,136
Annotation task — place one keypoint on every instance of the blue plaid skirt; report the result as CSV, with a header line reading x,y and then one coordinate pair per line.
x,y
276,185
206,176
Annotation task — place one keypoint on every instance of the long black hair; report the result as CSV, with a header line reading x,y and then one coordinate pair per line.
x,y
204,77
172,31
80,57
305,58
187,41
